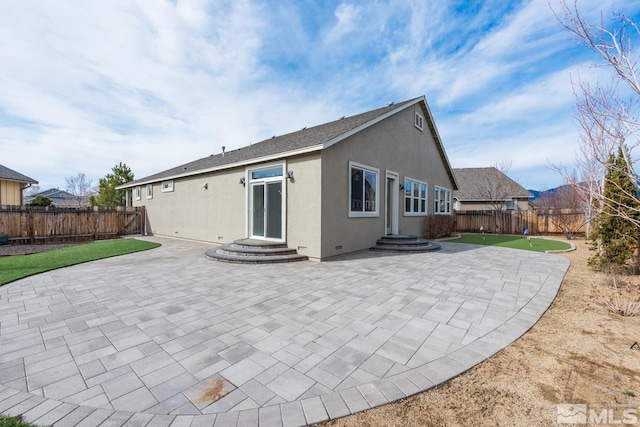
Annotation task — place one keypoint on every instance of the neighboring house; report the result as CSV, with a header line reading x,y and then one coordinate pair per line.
x,y
12,184
61,198
325,190
482,189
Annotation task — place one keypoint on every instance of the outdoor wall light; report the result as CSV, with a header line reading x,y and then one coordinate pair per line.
x,y
289,175
205,185
401,187
242,181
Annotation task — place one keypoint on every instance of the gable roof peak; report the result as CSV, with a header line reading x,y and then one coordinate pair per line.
x,y
305,140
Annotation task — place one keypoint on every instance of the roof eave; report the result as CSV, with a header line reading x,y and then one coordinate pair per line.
x,y
223,167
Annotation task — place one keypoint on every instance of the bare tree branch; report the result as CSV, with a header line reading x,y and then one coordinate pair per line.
x,y
80,187
607,113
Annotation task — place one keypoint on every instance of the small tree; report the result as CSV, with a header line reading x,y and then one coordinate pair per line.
x,y
41,200
564,208
107,193
495,190
80,187
615,238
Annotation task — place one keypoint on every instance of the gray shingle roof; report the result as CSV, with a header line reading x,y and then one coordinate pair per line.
x,y
7,174
306,138
470,187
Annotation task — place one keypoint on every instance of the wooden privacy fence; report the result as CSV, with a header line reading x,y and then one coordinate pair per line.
x,y
51,224
511,222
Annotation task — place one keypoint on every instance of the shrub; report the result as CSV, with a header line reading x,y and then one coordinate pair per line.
x,y
437,226
16,421
620,296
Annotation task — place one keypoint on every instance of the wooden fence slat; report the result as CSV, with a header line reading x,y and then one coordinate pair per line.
x,y
35,225
511,222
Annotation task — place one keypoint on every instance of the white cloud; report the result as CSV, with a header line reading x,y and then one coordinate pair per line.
x,y
155,83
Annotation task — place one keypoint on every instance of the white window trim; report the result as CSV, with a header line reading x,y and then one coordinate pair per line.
x,y
426,198
513,204
138,193
167,186
149,191
447,200
419,121
364,167
247,195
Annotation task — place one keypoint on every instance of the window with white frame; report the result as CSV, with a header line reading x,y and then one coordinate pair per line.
x,y
363,190
149,191
511,205
415,197
138,193
167,186
419,122
442,198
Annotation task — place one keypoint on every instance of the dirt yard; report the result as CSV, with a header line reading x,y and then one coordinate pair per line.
x,y
578,353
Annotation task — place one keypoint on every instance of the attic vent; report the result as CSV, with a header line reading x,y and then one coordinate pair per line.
x,y
273,136
304,128
391,103
342,118
419,121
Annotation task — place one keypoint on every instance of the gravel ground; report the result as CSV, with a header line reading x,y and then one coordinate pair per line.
x,y
31,249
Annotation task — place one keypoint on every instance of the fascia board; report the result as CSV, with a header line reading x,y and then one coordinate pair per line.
x,y
252,161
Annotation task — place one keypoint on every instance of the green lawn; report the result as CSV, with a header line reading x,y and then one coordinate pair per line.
x,y
19,266
514,242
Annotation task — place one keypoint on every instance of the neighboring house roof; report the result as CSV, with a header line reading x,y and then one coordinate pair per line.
x,y
7,174
300,142
470,184
60,198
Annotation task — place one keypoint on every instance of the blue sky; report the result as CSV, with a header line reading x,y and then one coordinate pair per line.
x,y
158,83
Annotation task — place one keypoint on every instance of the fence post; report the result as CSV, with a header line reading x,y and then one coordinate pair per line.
x,y
31,230
96,214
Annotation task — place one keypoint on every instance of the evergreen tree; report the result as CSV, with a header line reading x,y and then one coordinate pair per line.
x,y
41,200
615,238
107,193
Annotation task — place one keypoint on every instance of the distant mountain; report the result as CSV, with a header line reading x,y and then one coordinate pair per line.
x,y
537,194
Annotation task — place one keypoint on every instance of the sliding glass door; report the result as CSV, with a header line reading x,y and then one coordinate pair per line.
x,y
266,204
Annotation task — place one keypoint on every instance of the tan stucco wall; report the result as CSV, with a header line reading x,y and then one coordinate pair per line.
x,y
10,193
304,205
393,144
215,214
219,214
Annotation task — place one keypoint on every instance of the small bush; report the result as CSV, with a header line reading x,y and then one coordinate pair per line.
x,y
7,421
41,200
620,296
438,226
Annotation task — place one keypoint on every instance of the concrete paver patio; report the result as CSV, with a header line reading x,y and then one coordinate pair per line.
x,y
167,337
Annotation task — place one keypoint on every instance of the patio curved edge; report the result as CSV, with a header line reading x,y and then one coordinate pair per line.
x,y
337,404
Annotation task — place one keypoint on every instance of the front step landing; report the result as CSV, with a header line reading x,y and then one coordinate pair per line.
x,y
252,251
404,243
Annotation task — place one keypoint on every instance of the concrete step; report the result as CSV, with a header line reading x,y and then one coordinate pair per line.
x,y
415,248
251,251
404,243
239,250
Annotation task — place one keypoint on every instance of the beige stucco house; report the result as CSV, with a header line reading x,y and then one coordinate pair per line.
x,y
485,189
12,184
325,190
